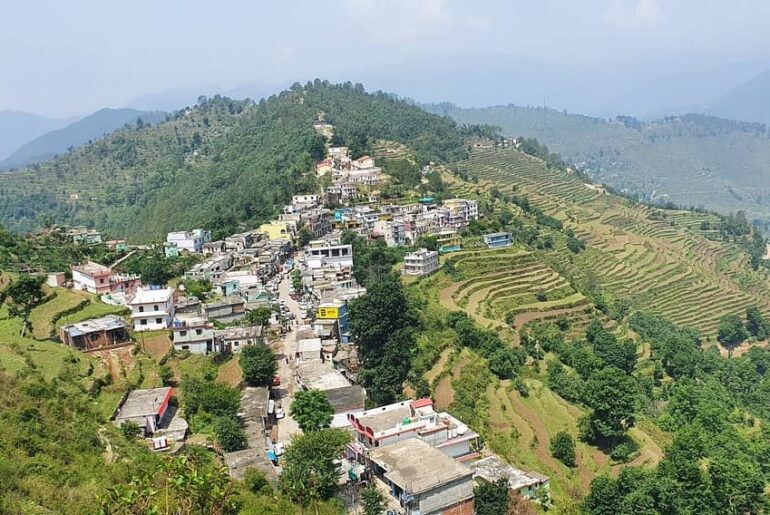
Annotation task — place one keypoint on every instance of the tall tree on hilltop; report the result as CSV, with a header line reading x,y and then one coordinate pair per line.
x,y
25,293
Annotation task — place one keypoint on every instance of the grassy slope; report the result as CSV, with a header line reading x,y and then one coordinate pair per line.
x,y
662,265
694,163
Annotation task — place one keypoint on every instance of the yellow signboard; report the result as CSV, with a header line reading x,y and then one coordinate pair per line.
x,y
328,313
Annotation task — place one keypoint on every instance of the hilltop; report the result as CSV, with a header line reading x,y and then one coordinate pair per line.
x,y
218,164
690,160
17,128
93,126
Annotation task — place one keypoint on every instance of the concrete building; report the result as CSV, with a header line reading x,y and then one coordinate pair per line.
x,y
96,333
331,321
423,480
321,254
190,241
230,309
211,269
316,375
498,240
308,349
386,425
195,334
152,310
525,484
420,262
234,339
99,279
347,400
461,211
392,231
84,235
145,408
56,279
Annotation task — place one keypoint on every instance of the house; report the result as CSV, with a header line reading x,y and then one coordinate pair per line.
x,y
257,417
212,268
321,254
461,211
316,375
308,349
386,425
305,200
338,152
229,309
366,176
190,241
91,277
241,241
84,235
423,480
233,339
324,167
363,162
420,262
195,334
56,279
96,333
187,305
145,408
498,240
99,279
393,232
324,128
331,320
279,230
346,400
525,484
152,310
213,247
117,245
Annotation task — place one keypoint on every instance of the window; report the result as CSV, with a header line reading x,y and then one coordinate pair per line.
x,y
143,321
141,309
158,320
185,347
198,331
155,307
182,333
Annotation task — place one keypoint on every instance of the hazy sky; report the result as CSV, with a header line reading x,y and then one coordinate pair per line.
x,y
69,57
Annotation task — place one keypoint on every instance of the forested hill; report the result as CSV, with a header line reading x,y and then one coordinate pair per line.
x,y
218,164
691,160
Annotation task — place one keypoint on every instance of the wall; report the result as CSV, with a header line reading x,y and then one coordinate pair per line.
x,y
446,495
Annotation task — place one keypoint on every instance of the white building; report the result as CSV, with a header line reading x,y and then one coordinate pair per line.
x,y
325,255
191,241
461,211
420,262
305,200
193,334
152,310
392,231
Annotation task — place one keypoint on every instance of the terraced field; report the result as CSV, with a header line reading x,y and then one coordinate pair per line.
x,y
660,261
514,285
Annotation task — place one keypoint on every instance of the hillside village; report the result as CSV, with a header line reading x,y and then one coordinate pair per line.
x,y
298,268
478,369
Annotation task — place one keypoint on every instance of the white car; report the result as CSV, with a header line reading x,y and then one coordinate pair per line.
x,y
279,449
279,413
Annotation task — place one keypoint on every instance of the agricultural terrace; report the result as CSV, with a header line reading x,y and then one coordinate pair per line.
x,y
660,261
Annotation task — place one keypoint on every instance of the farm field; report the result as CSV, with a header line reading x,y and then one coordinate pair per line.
x,y
660,261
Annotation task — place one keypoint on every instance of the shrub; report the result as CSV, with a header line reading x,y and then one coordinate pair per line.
x,y
563,448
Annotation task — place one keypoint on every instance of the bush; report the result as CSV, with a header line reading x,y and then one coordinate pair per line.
x,y
230,434
259,365
563,448
130,430
624,451
256,482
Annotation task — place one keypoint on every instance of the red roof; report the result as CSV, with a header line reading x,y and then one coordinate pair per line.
x,y
421,403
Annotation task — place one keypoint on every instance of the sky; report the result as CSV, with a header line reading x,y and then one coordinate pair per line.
x,y
69,58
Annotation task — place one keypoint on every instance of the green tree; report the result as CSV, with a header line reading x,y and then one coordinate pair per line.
x,y
311,410
373,501
611,394
259,364
731,331
563,448
259,316
25,292
166,375
756,324
230,434
130,430
381,323
491,498
310,472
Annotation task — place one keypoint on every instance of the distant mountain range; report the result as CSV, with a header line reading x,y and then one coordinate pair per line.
x,y
96,125
17,128
694,160
749,101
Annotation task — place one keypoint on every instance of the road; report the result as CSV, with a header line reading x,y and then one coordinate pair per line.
x,y
287,427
